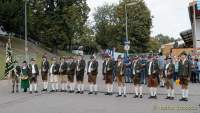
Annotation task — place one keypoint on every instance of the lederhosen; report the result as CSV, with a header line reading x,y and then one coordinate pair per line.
x,y
33,76
54,72
169,71
44,70
92,76
71,71
63,72
108,77
80,69
184,72
136,74
120,73
153,77
104,69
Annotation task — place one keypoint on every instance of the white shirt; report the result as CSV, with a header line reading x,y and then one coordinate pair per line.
x,y
166,69
90,67
78,65
134,67
149,71
33,69
51,69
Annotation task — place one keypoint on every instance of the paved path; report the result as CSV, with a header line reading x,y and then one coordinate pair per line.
x,y
76,103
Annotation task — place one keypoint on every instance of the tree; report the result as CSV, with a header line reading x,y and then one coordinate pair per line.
x,y
164,39
110,25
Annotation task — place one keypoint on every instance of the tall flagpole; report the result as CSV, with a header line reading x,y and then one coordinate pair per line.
x,y
194,23
26,45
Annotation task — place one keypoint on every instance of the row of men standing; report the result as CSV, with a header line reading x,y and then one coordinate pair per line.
x,y
153,70
64,72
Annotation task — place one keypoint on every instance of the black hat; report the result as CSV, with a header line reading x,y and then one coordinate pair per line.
x,y
119,57
24,61
32,59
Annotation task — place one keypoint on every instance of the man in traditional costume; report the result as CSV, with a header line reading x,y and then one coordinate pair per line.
x,y
120,76
184,75
153,73
92,71
136,71
80,70
54,75
33,75
169,72
109,75
71,67
44,72
63,74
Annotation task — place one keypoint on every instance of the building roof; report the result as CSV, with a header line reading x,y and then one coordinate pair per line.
x,y
187,37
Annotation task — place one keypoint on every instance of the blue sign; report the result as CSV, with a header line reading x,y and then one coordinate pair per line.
x,y
198,4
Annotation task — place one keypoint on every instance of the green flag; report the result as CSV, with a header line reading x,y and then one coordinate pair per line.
x,y
9,58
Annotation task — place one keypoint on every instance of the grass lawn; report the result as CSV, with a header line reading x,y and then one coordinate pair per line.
x,y
18,51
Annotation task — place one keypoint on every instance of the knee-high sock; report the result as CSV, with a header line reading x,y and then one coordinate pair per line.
x,y
35,87
82,87
56,86
120,90
44,85
140,90
168,92
172,92
154,91
111,88
124,89
31,87
95,88
91,87
151,91
52,86
186,93
183,93
136,90
62,86
79,87
66,86
107,87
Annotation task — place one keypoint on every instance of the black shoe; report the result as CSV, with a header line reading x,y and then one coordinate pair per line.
x,y
182,99
185,99
150,97
81,92
78,92
125,96
136,96
17,91
118,95
43,89
36,92
30,92
12,91
171,98
106,93
167,97
52,91
90,93
95,93
162,86
141,96
25,90
110,94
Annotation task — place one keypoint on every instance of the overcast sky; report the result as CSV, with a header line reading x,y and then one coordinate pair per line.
x,y
170,16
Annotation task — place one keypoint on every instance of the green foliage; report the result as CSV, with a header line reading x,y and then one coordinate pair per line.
x,y
164,39
110,25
